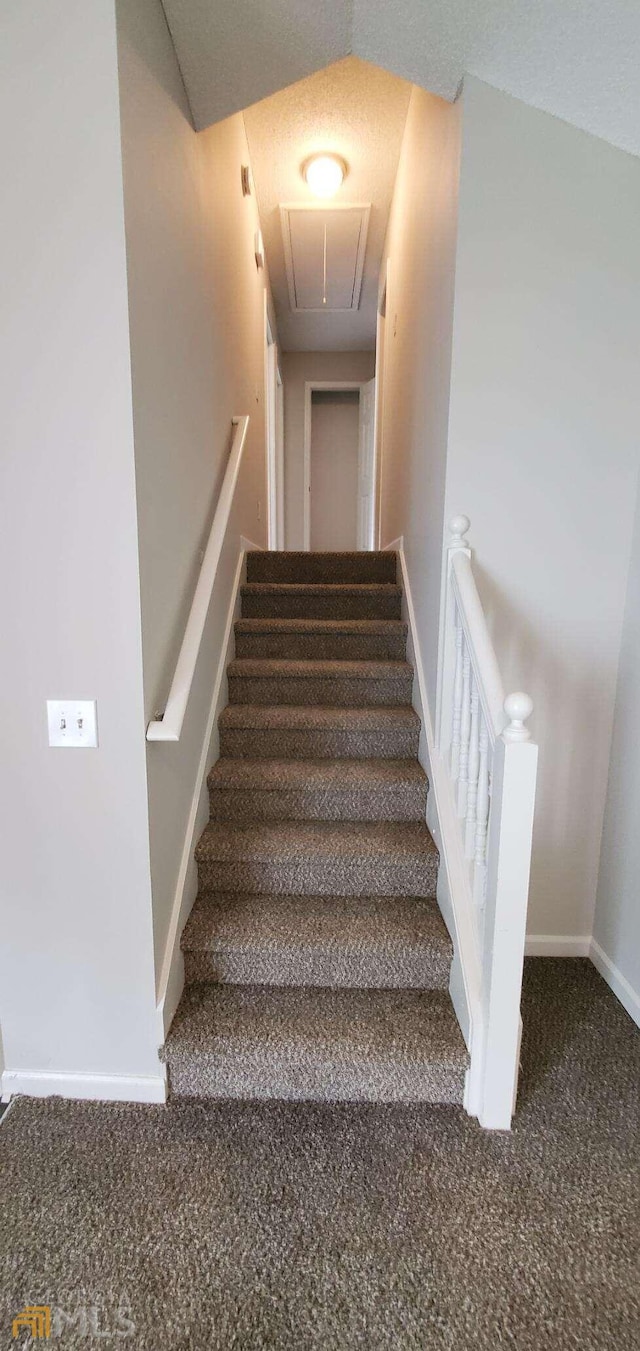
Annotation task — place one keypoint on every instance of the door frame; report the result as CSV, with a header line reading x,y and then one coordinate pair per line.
x,y
309,387
366,533
279,456
382,343
273,446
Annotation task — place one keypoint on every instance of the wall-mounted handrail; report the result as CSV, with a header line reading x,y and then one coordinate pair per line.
x,y
169,726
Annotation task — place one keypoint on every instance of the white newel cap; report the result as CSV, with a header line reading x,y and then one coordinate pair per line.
x,y
458,526
518,707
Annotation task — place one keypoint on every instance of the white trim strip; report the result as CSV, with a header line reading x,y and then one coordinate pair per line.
x,y
89,1087
581,945
621,987
557,945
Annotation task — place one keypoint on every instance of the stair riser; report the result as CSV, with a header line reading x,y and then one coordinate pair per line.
x,y
308,568
321,877
406,802
358,970
285,606
322,647
318,744
336,692
223,1077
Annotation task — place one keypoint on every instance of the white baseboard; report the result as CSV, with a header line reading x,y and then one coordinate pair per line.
x,y
622,989
171,983
90,1087
581,945
557,945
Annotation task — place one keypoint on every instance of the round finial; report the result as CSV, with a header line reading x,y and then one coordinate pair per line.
x,y
518,707
458,526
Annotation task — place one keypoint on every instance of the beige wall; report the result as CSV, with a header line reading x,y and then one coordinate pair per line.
x,y
76,978
196,302
617,918
335,421
298,367
543,450
420,253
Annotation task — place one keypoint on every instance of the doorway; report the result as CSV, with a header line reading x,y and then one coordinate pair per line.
x,y
339,465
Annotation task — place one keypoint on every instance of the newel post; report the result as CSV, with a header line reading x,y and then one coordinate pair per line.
x,y
508,866
455,542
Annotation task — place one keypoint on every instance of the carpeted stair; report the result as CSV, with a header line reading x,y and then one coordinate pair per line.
x,y
316,960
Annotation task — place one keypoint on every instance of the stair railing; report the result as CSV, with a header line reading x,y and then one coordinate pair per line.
x,y
168,726
487,752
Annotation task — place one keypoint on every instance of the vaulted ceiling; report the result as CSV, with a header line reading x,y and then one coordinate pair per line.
x,y
578,59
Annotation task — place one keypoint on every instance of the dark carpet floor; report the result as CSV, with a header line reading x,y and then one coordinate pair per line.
x,y
271,1225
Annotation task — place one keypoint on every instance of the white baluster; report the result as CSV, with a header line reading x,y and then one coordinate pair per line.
x,y
482,818
457,704
472,773
465,729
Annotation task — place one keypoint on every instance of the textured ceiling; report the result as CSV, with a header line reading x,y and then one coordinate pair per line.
x,y
578,59
359,112
234,52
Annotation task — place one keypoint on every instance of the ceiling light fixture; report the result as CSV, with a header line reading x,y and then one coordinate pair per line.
x,y
324,174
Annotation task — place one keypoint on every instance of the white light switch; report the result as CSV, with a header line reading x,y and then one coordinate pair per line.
x,y
72,722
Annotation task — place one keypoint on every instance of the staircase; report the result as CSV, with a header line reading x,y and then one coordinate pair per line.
x,y
316,960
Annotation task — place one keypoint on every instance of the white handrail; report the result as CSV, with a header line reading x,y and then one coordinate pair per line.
x,y
481,649
169,726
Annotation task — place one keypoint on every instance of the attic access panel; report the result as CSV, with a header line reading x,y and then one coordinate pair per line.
x,y
324,250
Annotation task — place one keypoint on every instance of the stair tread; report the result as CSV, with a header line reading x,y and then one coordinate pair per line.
x,y
317,1043
353,840
346,923
335,776
320,588
265,624
303,717
273,667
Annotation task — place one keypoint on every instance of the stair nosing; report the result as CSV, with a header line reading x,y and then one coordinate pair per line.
x,y
211,913
299,624
228,775
362,718
301,668
318,833
333,588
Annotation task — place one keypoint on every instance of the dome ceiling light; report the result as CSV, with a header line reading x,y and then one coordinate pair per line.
x,y
324,174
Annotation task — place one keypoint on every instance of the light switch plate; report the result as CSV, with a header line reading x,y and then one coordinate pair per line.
x,y
72,722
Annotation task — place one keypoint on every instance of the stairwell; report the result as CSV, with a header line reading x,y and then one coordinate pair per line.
x,y
316,960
